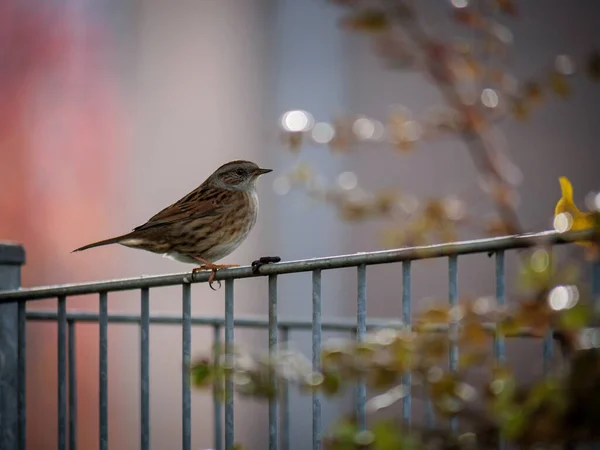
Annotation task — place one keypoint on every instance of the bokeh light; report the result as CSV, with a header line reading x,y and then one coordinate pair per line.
x,y
563,222
489,98
540,260
564,64
347,180
563,297
459,3
322,133
454,208
282,185
412,130
367,129
297,121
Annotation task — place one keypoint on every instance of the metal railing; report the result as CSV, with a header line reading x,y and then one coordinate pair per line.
x,y
14,317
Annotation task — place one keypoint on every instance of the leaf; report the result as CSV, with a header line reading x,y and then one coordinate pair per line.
x,y
387,436
593,66
533,92
331,383
559,84
473,334
509,326
513,422
383,377
548,391
468,359
520,110
202,373
576,317
342,436
468,17
293,140
368,20
507,7
435,315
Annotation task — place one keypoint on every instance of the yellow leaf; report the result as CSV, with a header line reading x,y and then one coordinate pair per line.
x,y
575,219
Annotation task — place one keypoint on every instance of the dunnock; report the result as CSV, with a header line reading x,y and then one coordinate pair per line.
x,y
204,226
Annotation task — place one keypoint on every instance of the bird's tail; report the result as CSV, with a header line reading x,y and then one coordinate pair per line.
x,y
114,240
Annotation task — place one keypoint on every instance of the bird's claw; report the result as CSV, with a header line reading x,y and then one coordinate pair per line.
x,y
213,268
256,265
211,280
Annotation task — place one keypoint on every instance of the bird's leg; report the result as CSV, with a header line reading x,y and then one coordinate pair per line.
x,y
207,265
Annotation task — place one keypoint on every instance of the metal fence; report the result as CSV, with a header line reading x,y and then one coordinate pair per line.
x,y
14,317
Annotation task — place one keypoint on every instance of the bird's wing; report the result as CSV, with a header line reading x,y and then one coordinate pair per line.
x,y
195,205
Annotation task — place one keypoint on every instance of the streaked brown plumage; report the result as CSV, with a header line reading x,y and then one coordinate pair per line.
x,y
204,226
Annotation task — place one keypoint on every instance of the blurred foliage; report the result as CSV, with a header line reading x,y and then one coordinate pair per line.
x,y
559,409
478,91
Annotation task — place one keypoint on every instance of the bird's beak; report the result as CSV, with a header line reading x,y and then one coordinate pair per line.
x,y
262,171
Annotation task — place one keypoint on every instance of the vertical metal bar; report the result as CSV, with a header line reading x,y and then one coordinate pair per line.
x,y
361,331
453,299
273,330
229,431
62,373
595,308
103,322
217,393
285,401
547,349
499,344
72,386
406,319
429,416
186,346
12,345
21,364
595,288
316,355
429,411
145,369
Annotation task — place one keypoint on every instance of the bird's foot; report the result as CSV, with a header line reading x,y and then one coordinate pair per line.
x,y
213,268
256,265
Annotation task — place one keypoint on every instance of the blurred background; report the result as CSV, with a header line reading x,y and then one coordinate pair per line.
x,y
112,109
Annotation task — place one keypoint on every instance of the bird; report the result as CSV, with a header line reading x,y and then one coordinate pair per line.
x,y
578,220
204,226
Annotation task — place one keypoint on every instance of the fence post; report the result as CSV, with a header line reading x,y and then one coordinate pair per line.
x,y
12,257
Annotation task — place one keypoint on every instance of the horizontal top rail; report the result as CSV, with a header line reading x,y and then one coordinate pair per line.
x,y
334,262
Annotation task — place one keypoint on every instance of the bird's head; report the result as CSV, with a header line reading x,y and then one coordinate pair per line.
x,y
237,176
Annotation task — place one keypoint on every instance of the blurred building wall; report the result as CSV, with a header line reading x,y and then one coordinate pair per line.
x,y
204,83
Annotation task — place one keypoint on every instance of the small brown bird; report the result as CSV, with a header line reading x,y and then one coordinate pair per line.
x,y
204,226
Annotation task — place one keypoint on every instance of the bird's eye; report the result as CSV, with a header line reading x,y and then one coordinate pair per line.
x,y
240,172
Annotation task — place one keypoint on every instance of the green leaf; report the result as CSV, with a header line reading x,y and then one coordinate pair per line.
x,y
387,436
331,383
576,317
202,374
513,422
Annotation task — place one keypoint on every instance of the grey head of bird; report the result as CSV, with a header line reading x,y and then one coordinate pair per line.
x,y
237,175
